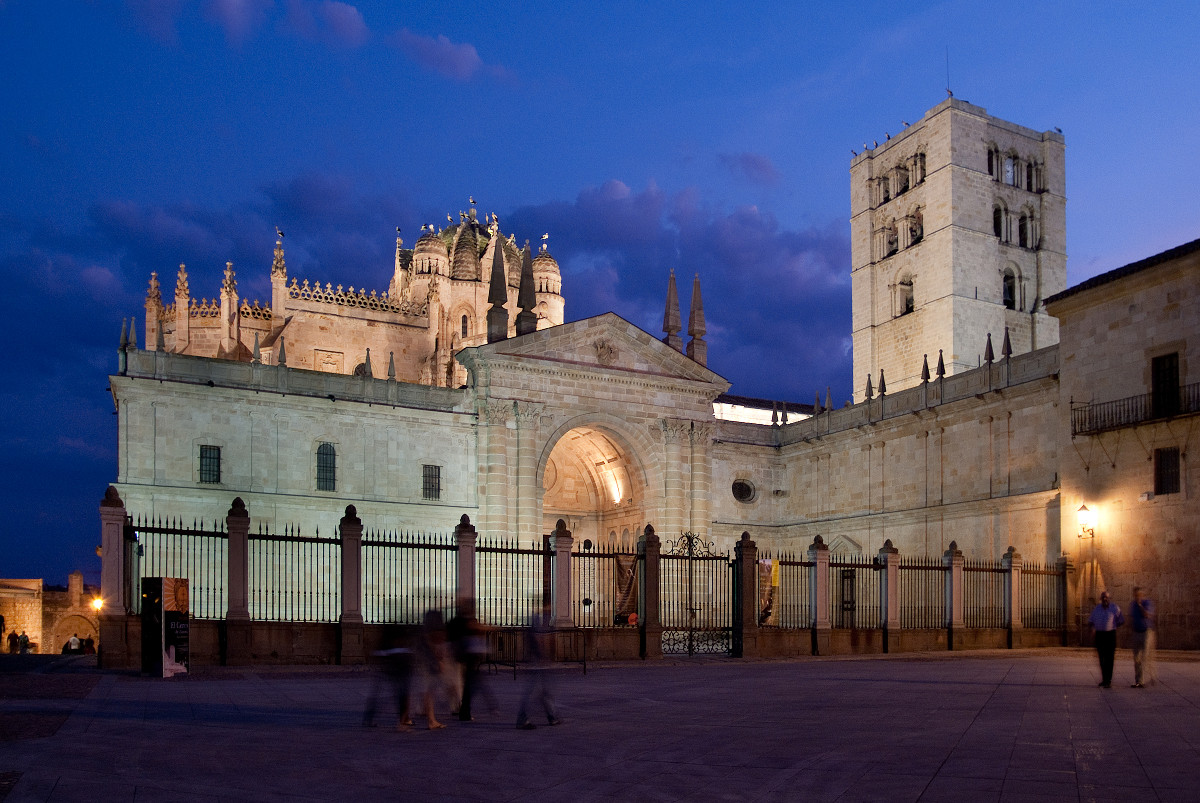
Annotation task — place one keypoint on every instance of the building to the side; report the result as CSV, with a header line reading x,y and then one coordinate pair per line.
x,y
958,233
49,615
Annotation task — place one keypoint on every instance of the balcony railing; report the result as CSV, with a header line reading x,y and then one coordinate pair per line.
x,y
1090,419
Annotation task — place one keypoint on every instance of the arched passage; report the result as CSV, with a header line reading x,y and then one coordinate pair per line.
x,y
594,479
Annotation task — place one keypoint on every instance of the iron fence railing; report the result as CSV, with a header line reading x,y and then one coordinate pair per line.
x,y
784,591
1092,418
169,548
1042,597
983,594
511,581
922,592
853,591
405,574
294,577
604,585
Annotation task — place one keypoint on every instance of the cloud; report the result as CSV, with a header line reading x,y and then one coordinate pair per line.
x,y
334,23
777,300
458,61
240,19
753,166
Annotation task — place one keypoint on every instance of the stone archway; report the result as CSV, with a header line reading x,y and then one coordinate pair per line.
x,y
72,623
592,478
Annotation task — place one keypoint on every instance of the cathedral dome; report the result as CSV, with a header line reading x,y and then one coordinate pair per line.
x,y
464,260
546,275
430,244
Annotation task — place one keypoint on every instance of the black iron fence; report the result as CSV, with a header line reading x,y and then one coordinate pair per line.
x,y
405,574
1089,419
604,585
922,592
1043,603
294,577
169,548
696,597
853,591
511,581
784,591
983,594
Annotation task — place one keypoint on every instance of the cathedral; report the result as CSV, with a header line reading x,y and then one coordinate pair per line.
x,y
979,414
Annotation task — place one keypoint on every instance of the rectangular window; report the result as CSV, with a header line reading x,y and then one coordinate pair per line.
x,y
431,482
1166,471
210,464
1164,385
326,467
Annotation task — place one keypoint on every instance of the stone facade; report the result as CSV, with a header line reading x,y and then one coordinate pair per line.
x,y
1125,446
958,232
49,615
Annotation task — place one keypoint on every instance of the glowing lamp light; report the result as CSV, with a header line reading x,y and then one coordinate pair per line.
x,y
97,604
1087,522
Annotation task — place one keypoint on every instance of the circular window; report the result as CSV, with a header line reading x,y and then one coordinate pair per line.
x,y
743,490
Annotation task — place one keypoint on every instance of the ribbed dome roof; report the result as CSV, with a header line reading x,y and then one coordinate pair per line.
x,y
429,245
544,263
464,263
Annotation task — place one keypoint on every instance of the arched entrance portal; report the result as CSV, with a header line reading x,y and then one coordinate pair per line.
x,y
592,480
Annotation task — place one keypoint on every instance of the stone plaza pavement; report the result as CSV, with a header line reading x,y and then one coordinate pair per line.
x,y
995,725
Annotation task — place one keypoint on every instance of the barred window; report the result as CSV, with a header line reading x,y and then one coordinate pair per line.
x,y
1166,471
431,482
210,464
326,467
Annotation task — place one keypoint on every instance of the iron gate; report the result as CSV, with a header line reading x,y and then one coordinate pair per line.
x,y
696,597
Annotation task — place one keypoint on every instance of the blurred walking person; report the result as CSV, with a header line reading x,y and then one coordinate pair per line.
x,y
1142,620
395,670
538,683
432,661
468,638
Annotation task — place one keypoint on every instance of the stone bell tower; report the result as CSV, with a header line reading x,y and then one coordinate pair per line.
x,y
957,228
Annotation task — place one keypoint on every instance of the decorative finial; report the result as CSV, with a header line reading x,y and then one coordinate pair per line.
x,y
988,354
925,369
1006,349
697,349
941,368
870,390
882,383
672,322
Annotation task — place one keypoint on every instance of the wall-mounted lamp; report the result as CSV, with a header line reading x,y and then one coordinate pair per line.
x,y
97,604
1087,522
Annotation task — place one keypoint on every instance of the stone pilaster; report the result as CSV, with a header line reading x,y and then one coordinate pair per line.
x,y
350,623
1013,562
745,625
528,516
675,433
648,600
889,590
494,414
701,479
114,646
237,618
818,587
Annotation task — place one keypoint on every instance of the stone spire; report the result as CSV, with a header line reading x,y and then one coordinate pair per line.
x,y
672,322
154,310
882,383
497,315
281,357
988,354
941,369
1006,349
183,313
526,298
697,349
870,394
279,291
278,266
367,365
925,369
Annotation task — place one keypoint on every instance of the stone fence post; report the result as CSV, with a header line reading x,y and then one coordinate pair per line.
x,y
350,623
466,537
889,591
648,614
745,602
237,617
561,542
114,579
1072,613
953,561
1012,595
818,589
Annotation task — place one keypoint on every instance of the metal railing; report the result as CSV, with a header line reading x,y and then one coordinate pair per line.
x,y
604,585
853,592
1042,597
983,594
511,581
405,574
784,593
922,592
1092,418
168,548
294,577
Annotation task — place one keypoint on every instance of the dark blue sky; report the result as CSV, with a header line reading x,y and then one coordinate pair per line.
x,y
704,137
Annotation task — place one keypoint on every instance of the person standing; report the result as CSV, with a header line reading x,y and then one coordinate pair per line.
x,y
1142,621
1105,619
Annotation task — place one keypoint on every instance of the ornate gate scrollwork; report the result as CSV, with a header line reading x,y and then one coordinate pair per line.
x,y
696,597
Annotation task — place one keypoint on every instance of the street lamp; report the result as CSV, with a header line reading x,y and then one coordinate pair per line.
x,y
1087,522
97,604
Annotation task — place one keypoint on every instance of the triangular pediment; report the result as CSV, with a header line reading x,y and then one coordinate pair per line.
x,y
604,344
